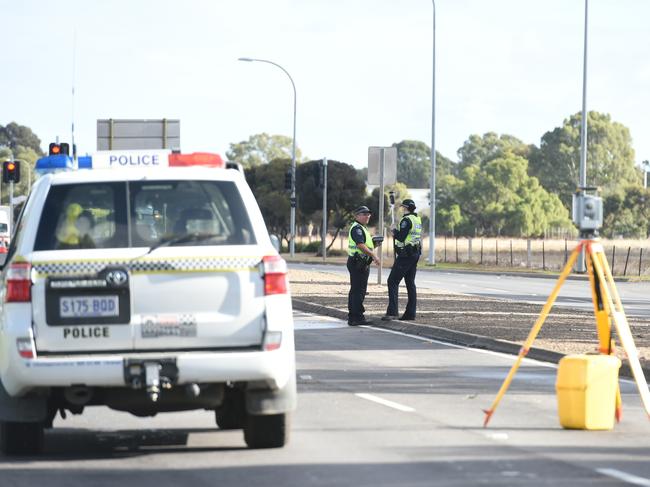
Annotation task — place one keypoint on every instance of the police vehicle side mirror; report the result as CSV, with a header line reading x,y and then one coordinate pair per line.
x,y
235,165
275,241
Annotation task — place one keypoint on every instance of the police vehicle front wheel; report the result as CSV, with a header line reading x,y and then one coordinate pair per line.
x,y
269,431
21,438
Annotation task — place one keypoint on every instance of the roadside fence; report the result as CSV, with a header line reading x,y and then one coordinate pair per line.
x,y
625,257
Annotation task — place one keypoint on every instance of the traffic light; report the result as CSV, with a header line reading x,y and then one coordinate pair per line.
x,y
11,172
287,180
318,175
56,149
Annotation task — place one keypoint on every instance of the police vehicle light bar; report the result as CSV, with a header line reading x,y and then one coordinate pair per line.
x,y
148,159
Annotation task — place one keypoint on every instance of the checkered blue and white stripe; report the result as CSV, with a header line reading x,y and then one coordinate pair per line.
x,y
147,266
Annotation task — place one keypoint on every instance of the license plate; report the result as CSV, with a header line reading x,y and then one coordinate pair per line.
x,y
88,306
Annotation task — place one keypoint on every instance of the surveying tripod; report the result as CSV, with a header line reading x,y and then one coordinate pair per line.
x,y
607,308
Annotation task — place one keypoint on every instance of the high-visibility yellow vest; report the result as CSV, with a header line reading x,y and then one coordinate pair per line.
x,y
352,245
414,236
68,233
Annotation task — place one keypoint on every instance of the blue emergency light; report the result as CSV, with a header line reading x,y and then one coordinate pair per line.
x,y
85,162
59,162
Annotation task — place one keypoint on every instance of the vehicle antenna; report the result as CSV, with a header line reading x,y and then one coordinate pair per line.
x,y
74,62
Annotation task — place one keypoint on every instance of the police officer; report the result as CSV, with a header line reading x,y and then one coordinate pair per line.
x,y
360,256
408,248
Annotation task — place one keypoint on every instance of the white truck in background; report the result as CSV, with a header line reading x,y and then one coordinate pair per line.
x,y
5,226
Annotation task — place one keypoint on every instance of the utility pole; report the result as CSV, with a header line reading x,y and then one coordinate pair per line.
x,y
432,193
324,232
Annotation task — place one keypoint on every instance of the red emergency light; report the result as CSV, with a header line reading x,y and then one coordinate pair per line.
x,y
205,159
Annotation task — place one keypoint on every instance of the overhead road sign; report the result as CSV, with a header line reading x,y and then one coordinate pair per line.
x,y
137,134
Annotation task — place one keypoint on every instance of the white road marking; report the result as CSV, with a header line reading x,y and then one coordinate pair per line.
x,y
497,436
510,473
385,402
494,290
312,321
307,315
463,347
625,477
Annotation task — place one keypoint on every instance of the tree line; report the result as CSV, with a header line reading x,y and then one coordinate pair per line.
x,y
497,186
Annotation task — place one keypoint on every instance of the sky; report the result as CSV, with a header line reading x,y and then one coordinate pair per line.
x,y
363,69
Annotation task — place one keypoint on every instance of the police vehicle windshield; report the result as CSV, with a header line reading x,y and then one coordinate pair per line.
x,y
143,214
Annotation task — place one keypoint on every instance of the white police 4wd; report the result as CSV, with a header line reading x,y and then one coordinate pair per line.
x,y
145,291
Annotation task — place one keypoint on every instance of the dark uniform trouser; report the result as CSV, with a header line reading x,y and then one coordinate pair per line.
x,y
403,268
358,286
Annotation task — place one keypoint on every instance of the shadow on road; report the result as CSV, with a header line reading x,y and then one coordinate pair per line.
x,y
71,444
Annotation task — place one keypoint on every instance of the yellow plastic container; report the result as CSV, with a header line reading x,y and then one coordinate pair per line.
x,y
586,391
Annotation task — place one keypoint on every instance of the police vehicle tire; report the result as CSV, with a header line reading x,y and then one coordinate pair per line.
x,y
232,413
269,431
21,438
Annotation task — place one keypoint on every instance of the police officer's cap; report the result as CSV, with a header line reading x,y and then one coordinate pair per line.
x,y
361,210
408,203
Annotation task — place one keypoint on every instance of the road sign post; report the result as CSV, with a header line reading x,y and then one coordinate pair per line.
x,y
11,208
382,170
382,160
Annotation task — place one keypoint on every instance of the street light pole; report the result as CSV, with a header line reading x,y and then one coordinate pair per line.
x,y
583,128
583,131
432,192
292,242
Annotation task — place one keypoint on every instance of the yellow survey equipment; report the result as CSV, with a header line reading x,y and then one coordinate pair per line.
x,y
586,391
607,309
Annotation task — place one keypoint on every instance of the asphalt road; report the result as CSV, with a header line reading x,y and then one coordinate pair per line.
x,y
375,409
574,293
